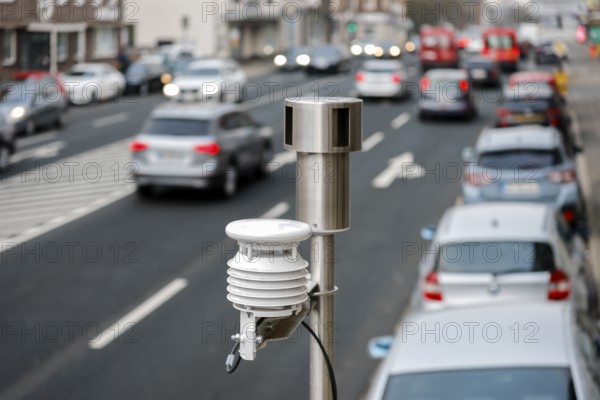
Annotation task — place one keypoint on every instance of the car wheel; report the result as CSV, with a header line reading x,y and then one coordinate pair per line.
x,y
30,127
230,181
266,155
4,156
145,191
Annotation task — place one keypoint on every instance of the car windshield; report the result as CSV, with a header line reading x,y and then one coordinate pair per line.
x,y
441,41
530,91
177,127
520,159
483,384
137,68
494,257
499,41
326,51
201,72
17,94
83,74
295,52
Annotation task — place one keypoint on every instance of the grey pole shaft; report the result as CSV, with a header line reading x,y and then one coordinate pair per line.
x,y
322,271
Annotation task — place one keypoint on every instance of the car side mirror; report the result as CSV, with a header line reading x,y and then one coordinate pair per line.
x,y
428,232
379,347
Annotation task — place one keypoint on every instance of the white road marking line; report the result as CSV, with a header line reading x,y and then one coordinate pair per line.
x,y
110,120
400,120
36,139
398,167
277,211
372,141
280,159
137,314
45,151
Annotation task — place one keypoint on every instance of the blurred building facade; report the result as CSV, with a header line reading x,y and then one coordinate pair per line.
x,y
377,20
52,35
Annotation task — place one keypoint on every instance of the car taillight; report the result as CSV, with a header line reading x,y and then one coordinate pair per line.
x,y
463,42
560,286
360,76
565,176
503,112
396,78
431,287
516,53
475,179
569,215
463,85
554,114
425,83
208,148
138,145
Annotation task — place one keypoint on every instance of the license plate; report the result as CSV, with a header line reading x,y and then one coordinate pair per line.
x,y
521,189
170,156
479,73
529,119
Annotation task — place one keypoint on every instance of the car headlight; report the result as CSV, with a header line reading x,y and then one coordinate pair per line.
x,y
356,49
18,112
166,78
378,52
303,59
171,90
410,47
370,49
394,51
280,60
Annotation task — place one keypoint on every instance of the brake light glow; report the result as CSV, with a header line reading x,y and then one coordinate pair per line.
x,y
475,179
569,215
138,145
565,176
360,76
463,85
208,148
463,42
396,78
431,287
554,114
560,286
425,83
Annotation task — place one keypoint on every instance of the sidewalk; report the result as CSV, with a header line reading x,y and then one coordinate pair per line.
x,y
584,102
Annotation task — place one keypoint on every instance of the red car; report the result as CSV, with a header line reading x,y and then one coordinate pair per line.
x,y
501,45
438,48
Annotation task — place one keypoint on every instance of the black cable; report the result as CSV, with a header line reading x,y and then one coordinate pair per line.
x,y
233,359
327,360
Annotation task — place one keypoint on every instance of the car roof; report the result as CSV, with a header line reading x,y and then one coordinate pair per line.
x,y
483,347
90,66
379,64
528,90
452,73
209,111
529,76
210,63
518,137
500,221
499,30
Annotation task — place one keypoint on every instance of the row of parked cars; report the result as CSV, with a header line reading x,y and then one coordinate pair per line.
x,y
505,306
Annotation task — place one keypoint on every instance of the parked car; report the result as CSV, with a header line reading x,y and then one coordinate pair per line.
x,y
33,103
527,163
382,78
292,59
438,48
209,80
501,253
446,93
500,43
199,146
329,58
89,83
483,71
551,53
527,350
7,140
144,77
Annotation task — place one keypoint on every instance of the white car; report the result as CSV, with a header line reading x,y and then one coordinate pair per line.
x,y
520,351
87,83
491,253
382,78
208,80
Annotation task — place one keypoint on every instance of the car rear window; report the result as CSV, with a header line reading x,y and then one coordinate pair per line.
x,y
483,384
177,127
499,41
520,159
495,257
441,41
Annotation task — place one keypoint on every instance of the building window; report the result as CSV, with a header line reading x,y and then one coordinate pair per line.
x,y
9,46
62,42
105,43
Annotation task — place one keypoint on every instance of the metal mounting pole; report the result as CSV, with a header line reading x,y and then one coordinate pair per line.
x,y
323,132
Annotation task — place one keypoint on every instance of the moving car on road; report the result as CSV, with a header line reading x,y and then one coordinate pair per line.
x,y
382,78
199,146
292,59
498,253
88,83
7,141
144,77
527,163
446,93
500,43
521,351
438,48
220,80
33,103
483,71
329,58
551,53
